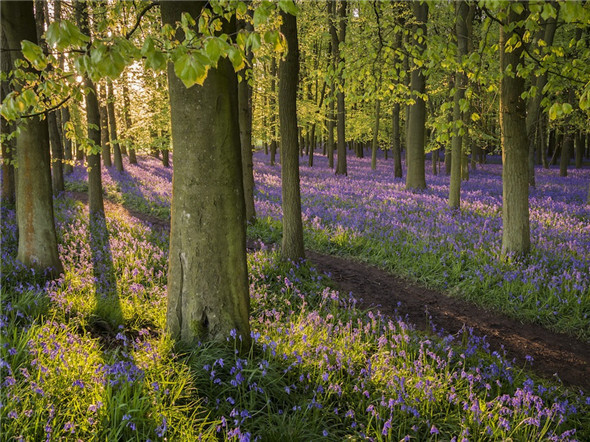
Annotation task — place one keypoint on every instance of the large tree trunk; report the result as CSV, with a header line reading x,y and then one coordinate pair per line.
x,y
95,200
113,127
515,192
292,243
461,12
416,176
37,242
208,293
375,143
245,103
533,119
341,167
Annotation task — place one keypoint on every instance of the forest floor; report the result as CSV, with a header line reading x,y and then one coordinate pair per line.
x,y
553,354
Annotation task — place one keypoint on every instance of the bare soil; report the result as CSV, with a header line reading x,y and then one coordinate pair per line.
x,y
555,355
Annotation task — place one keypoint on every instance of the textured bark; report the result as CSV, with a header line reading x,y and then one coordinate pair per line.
x,y
375,144
461,11
104,128
396,147
515,188
57,154
117,156
416,176
207,275
341,167
95,200
292,243
8,146
245,110
533,119
165,158
579,150
37,242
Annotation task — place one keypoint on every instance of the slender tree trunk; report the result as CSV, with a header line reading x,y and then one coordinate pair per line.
x,y
579,150
37,241
166,157
127,118
416,177
273,111
515,194
207,275
341,167
68,158
375,143
461,11
8,146
113,127
292,244
95,200
533,119
57,154
245,117
396,147
311,146
104,128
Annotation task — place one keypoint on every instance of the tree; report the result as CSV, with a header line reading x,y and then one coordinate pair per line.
x,y
37,242
207,277
515,189
95,201
113,127
415,176
8,144
462,10
104,128
341,168
292,243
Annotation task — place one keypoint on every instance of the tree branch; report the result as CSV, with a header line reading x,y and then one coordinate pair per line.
x,y
139,17
46,111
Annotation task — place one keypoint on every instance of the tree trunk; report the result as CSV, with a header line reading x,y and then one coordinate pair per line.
x,y
375,143
341,167
208,294
579,150
533,119
396,147
292,244
515,192
127,117
461,10
37,241
416,176
113,127
8,146
68,158
57,154
104,128
311,146
273,110
245,117
165,157
95,200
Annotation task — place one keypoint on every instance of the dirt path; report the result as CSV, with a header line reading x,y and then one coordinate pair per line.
x,y
553,353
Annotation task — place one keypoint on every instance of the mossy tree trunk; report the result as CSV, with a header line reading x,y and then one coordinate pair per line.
x,y
37,242
292,243
515,188
416,175
208,293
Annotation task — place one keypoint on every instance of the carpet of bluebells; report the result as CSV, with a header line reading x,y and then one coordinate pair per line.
x,y
371,216
85,357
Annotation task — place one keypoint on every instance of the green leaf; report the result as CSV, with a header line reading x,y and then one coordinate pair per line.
x,y
34,54
288,6
261,14
213,49
553,111
189,70
253,41
236,58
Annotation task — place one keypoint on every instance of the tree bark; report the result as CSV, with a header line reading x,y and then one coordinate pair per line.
x,y
113,127
292,243
461,11
104,128
68,159
208,295
128,124
515,188
37,241
8,146
95,200
341,167
273,111
245,110
375,143
416,176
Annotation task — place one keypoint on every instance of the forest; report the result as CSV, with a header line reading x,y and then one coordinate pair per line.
x,y
255,220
